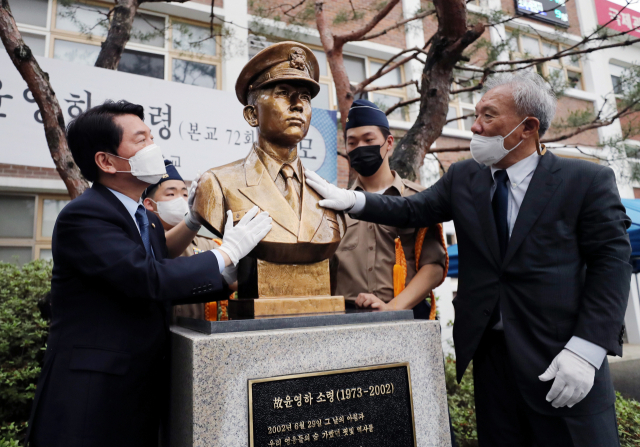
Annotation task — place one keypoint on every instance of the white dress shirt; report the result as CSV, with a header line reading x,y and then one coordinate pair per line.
x,y
132,206
520,175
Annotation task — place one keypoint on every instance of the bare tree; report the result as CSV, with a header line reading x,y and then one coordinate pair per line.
x,y
448,52
119,21
38,82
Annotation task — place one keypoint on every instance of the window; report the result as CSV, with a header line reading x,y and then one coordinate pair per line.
x,y
79,53
159,47
194,55
26,226
194,73
567,69
616,72
30,12
36,42
141,63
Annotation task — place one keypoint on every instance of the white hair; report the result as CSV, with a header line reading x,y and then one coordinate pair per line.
x,y
531,93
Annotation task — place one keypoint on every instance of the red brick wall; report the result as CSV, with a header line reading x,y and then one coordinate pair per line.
x,y
630,123
343,172
332,8
28,172
565,106
448,158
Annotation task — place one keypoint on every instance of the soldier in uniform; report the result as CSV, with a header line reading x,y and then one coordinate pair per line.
x,y
363,265
168,199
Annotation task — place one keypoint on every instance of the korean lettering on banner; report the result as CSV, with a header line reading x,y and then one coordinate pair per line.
x,y
198,133
618,17
3,115
163,118
77,104
305,148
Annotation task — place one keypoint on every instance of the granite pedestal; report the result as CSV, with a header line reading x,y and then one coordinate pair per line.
x,y
210,373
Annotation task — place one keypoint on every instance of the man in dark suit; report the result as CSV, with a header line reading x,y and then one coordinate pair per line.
x,y
544,271
105,375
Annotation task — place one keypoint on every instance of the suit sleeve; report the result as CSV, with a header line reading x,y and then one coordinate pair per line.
x,y
424,209
604,244
102,252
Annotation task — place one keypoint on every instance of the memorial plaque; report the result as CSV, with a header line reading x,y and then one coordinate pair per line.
x,y
359,407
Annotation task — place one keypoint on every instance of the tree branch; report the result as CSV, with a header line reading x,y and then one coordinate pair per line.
x,y
387,87
38,82
398,24
397,105
383,71
357,34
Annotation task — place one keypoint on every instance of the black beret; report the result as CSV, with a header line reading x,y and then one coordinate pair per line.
x,y
172,174
365,113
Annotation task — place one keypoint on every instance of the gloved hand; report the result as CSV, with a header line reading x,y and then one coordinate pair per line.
x,y
335,198
238,241
574,379
191,219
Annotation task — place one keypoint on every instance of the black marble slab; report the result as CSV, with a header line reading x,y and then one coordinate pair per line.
x,y
350,316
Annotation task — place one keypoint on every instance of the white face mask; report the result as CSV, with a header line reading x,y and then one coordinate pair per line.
x,y
172,211
490,150
147,164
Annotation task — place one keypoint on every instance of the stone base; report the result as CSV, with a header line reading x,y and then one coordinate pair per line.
x,y
210,373
262,307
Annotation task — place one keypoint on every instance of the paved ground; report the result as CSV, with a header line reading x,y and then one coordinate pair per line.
x,y
625,371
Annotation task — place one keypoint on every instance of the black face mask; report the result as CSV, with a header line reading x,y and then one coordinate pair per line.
x,y
366,160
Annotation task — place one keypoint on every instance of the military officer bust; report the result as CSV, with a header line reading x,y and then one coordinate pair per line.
x,y
276,87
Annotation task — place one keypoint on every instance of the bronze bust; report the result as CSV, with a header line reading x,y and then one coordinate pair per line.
x,y
276,87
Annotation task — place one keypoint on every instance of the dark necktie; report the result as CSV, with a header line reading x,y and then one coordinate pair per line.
x,y
291,193
143,224
500,207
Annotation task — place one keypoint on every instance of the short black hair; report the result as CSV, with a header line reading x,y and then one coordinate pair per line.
x,y
95,131
384,130
151,192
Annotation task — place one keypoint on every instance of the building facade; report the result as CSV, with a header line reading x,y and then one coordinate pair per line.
x,y
162,47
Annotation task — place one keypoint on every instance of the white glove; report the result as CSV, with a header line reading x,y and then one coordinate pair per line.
x,y
335,198
238,241
574,379
230,274
190,218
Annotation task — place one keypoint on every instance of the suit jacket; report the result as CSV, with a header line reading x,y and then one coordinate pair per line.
x,y
566,271
104,379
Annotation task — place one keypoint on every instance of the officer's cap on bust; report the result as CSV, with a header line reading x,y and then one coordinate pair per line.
x,y
365,113
281,62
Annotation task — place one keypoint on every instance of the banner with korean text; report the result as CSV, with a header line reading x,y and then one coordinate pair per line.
x,y
198,128
624,18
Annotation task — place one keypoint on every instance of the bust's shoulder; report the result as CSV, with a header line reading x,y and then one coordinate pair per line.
x,y
229,173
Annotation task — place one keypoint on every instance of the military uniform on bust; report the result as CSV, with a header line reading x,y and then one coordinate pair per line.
x,y
272,176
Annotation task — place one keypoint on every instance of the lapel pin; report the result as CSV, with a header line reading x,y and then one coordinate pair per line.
x,y
153,225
